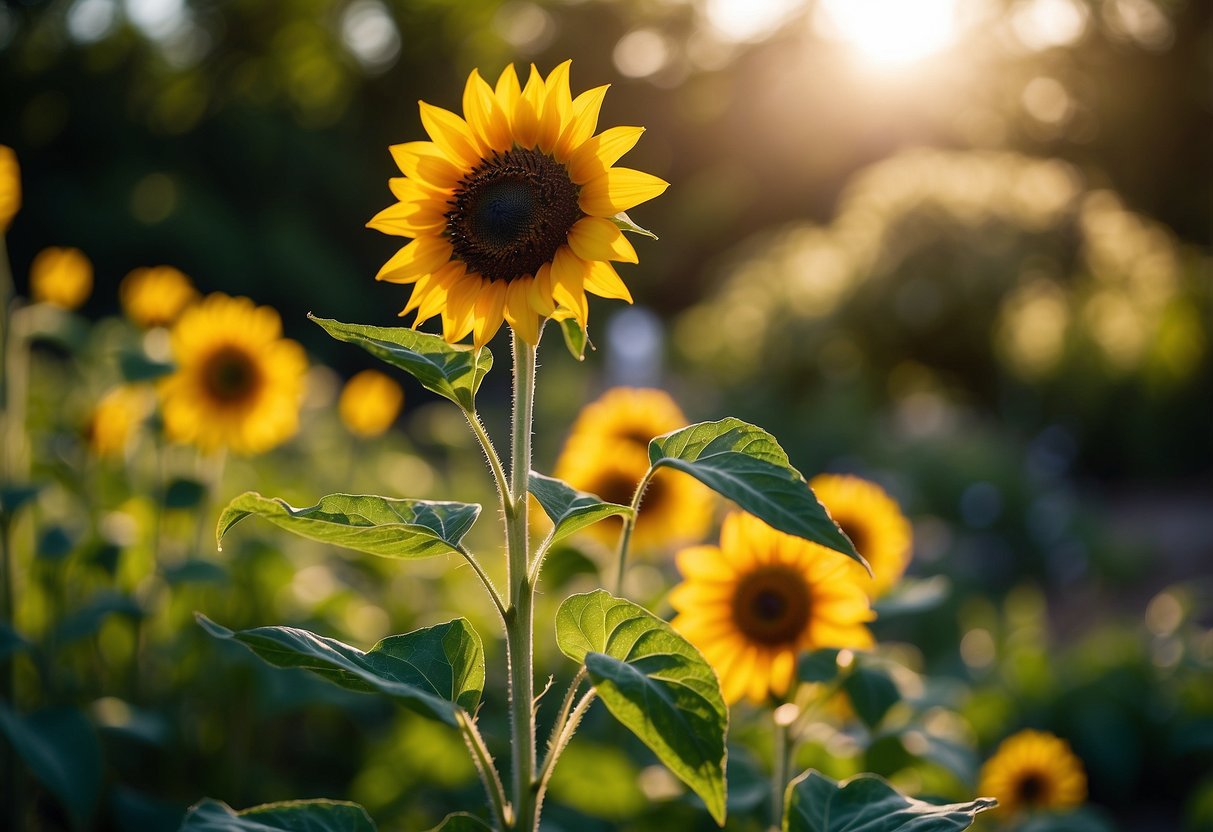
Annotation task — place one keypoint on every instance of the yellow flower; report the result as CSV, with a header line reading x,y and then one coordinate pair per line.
x,y
1034,770
115,417
760,598
510,207
238,382
873,521
61,276
607,455
155,296
370,402
10,187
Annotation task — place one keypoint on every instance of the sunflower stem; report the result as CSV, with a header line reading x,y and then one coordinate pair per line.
x,y
779,769
519,619
484,766
625,534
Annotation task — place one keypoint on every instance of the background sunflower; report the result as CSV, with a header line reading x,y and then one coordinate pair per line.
x,y
874,523
1034,771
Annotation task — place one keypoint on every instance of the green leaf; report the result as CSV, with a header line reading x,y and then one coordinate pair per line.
x,y
818,666
453,371
374,525
61,750
872,692
289,816
570,510
625,223
746,464
135,366
815,803
430,671
656,683
462,822
576,339
912,595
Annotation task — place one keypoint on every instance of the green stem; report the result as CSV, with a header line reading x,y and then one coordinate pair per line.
x,y
488,773
484,579
625,535
779,770
490,453
566,724
519,619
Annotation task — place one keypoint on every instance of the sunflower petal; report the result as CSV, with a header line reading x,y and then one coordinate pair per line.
x,y
528,109
490,308
409,219
557,107
604,281
426,163
422,256
618,190
582,122
450,133
568,283
595,238
459,313
484,115
518,311
539,291
507,92
596,155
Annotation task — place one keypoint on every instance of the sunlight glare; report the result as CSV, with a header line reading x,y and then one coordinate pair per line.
x,y
890,32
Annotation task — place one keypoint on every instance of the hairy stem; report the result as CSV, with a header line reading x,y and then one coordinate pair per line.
x,y
488,773
625,535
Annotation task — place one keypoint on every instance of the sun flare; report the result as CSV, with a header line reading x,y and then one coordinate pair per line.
x,y
890,32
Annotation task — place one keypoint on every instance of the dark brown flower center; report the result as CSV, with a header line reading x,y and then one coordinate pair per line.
x,y
1032,788
230,375
511,213
771,605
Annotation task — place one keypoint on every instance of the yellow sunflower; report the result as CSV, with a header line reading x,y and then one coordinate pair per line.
x,y
510,208
10,187
760,598
115,417
873,521
1034,770
607,455
238,382
155,296
62,277
369,403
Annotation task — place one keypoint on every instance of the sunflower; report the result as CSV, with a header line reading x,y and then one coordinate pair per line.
x,y
511,207
62,277
873,521
238,382
607,455
1034,770
760,598
115,417
369,403
10,187
155,296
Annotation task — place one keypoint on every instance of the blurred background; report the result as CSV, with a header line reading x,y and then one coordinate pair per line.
x,y
960,247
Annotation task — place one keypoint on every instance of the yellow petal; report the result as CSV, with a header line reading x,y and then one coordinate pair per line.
x,y
484,116
568,283
459,313
409,219
527,111
539,292
618,190
518,312
603,280
595,238
490,308
436,298
426,163
507,92
450,133
582,122
557,107
597,154
422,256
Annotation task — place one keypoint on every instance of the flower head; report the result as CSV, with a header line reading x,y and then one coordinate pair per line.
x,y
760,598
607,455
873,521
115,417
369,403
155,296
1034,770
62,277
510,207
238,382
10,187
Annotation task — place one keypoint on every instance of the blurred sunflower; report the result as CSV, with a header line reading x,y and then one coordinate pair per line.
x,y
238,382
511,207
760,598
10,187
370,403
155,296
607,455
1034,770
115,417
62,277
874,523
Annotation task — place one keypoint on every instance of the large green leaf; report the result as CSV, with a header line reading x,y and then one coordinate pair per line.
x,y
462,822
568,509
654,682
746,464
375,525
871,690
815,803
61,749
289,816
453,371
431,671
